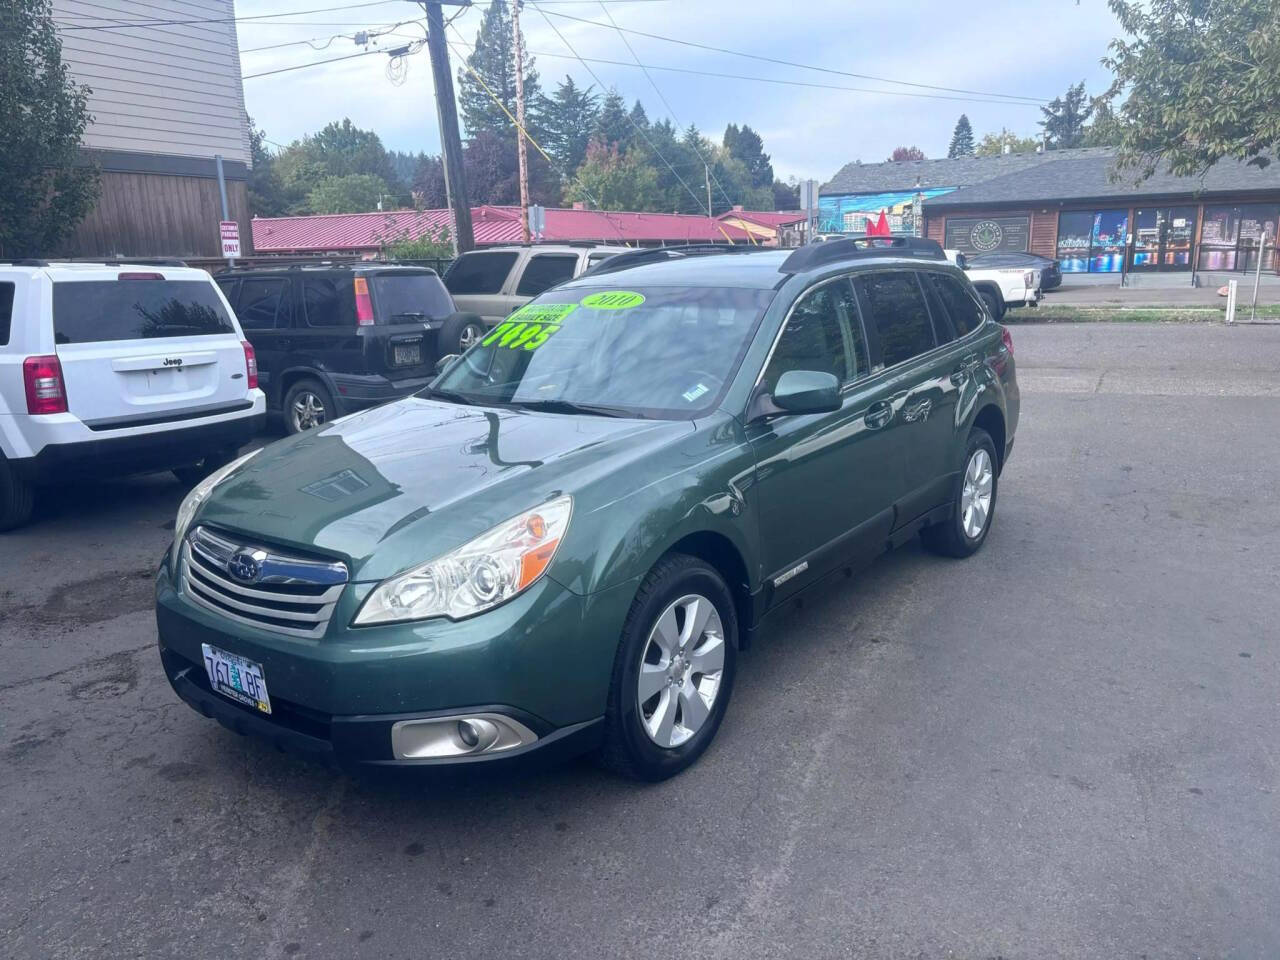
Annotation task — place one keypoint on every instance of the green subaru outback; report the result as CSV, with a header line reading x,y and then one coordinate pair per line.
x,y
566,540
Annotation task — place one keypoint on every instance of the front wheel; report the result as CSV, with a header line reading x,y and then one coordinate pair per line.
x,y
673,673
973,504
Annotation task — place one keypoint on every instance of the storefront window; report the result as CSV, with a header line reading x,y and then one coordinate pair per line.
x,y
1231,234
1091,241
1075,232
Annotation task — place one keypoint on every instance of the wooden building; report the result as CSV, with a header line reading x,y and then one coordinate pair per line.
x,y
166,100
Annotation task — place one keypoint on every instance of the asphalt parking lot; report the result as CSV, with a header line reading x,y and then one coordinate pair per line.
x,y
1066,746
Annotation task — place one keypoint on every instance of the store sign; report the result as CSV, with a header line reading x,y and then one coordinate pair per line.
x,y
988,234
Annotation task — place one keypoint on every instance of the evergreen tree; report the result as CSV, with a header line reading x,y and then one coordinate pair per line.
x,y
428,184
568,118
1065,118
45,187
343,149
745,144
961,139
786,196
267,196
494,60
1106,130
639,118
612,126
614,180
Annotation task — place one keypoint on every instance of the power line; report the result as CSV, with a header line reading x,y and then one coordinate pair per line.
x,y
644,133
417,45
790,63
372,33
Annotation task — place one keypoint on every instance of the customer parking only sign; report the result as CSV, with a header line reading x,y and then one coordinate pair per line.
x,y
230,231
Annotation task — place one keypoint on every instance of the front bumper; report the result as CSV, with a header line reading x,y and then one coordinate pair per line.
x,y
543,659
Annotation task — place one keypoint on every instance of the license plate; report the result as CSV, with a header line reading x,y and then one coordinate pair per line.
x,y
237,678
407,354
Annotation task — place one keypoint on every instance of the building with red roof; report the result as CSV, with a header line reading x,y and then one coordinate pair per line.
x,y
771,228
366,234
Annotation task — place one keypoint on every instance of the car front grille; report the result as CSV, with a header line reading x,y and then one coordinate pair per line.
x,y
259,586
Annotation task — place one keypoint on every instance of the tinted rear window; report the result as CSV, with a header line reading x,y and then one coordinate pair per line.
x,y
6,311
94,311
479,272
898,313
329,303
398,298
966,315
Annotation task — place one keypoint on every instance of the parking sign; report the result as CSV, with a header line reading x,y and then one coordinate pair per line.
x,y
230,231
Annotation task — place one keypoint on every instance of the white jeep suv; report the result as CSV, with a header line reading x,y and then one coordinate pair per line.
x,y
114,369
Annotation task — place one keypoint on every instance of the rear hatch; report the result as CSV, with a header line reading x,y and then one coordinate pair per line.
x,y
409,308
144,346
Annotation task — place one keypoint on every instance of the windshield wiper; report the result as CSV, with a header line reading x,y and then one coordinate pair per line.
x,y
570,406
413,315
450,396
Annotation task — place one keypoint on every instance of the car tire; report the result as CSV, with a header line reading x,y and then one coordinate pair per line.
x,y
191,474
307,404
17,498
973,502
655,737
460,333
992,304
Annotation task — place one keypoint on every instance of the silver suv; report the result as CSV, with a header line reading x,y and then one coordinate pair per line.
x,y
489,284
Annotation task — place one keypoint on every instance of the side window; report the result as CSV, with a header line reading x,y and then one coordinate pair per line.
x,y
230,289
966,314
823,333
324,305
544,271
264,304
897,312
6,311
480,272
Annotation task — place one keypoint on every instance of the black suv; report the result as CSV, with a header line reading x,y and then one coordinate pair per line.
x,y
337,338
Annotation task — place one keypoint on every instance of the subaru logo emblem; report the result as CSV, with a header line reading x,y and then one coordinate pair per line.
x,y
246,565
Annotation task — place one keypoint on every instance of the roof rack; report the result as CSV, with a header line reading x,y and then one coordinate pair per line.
x,y
635,258
25,262
140,261
855,248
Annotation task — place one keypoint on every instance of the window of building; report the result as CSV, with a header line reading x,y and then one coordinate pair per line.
x,y
264,304
823,333
1092,241
1231,234
896,310
544,271
483,272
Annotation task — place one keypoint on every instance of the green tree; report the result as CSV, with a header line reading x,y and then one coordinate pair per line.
x,y
786,196
614,180
1106,129
993,144
907,153
1201,82
612,126
493,59
568,118
400,244
745,144
1065,118
961,139
638,117
344,149
46,187
267,197
491,167
427,183
354,193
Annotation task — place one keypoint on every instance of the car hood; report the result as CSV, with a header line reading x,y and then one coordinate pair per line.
x,y
403,483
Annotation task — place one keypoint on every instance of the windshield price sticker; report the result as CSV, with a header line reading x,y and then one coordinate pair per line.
x,y
613,300
529,327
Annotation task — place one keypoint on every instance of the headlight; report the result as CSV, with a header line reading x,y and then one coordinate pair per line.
x,y
489,570
198,495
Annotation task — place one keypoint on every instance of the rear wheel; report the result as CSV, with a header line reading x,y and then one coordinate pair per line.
x,y
17,498
307,404
973,504
673,673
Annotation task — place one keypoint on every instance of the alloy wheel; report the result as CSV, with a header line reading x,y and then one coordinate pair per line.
x,y
680,670
308,411
469,337
975,495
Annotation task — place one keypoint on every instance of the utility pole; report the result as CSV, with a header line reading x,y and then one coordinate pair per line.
x,y
521,150
450,138
706,170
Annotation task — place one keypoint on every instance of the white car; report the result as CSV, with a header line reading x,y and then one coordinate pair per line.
x,y
114,369
1001,287
490,283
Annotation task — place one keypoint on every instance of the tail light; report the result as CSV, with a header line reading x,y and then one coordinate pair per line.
x,y
250,364
140,276
364,306
1007,339
42,377
1029,278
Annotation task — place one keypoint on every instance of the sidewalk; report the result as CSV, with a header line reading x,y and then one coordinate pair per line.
x,y
1113,295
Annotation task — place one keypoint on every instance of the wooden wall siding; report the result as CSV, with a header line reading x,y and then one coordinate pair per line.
x,y
149,215
1044,233
172,89
935,228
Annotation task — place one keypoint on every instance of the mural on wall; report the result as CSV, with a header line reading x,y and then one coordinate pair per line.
x,y
848,213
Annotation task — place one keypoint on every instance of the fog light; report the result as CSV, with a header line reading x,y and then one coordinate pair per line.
x,y
467,733
440,738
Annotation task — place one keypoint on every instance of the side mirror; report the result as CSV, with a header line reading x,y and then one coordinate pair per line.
x,y
799,391
445,361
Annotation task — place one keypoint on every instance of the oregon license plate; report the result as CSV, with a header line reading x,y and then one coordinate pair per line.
x,y
408,353
237,678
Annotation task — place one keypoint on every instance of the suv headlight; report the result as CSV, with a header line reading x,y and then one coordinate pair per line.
x,y
198,495
491,569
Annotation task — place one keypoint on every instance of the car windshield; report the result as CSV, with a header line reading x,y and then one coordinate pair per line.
x,y
666,352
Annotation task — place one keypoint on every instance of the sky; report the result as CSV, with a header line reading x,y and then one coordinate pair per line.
x,y
1001,47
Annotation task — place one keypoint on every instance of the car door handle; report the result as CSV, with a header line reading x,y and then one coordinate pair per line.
x,y
878,415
